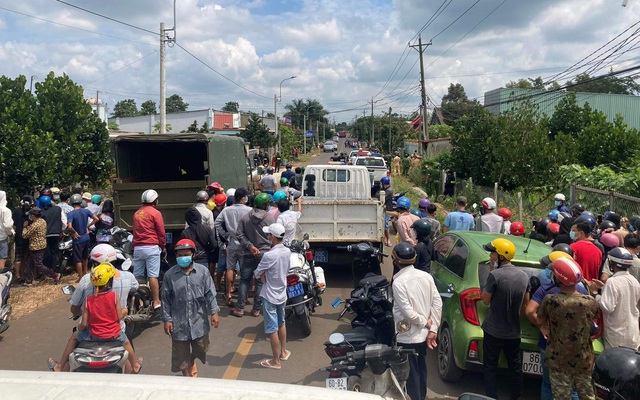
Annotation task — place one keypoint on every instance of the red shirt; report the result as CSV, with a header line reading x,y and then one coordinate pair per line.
x,y
148,227
589,257
104,321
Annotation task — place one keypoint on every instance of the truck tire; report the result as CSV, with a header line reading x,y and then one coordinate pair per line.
x,y
305,321
447,368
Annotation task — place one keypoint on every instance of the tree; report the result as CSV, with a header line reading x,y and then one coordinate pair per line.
x,y
176,104
156,127
125,108
193,127
531,83
456,104
148,108
607,143
610,84
257,134
231,107
204,128
568,117
113,126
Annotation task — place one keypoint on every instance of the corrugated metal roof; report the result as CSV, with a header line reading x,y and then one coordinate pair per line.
x,y
501,100
222,121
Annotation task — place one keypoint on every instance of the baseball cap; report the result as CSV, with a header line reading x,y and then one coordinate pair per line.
x,y
35,211
276,230
86,196
461,200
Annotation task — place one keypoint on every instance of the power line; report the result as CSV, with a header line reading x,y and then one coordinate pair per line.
x,y
109,18
123,67
456,20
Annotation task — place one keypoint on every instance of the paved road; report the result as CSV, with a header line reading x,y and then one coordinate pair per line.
x,y
237,346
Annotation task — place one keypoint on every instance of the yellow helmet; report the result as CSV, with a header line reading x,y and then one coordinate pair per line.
x,y
55,190
554,255
211,205
101,274
503,247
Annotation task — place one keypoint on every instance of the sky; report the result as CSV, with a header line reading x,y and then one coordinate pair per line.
x,y
344,53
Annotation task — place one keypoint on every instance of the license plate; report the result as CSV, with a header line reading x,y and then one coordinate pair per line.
x,y
337,383
295,290
321,256
531,363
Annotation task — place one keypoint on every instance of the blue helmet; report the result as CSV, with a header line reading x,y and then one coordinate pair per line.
x,y
588,219
279,195
45,201
385,180
553,215
416,212
403,202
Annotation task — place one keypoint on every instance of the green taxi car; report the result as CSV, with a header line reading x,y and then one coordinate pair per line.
x,y
460,271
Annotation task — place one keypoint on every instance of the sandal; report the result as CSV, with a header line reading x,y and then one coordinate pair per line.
x,y
267,364
237,313
57,279
285,358
140,361
229,302
255,313
51,363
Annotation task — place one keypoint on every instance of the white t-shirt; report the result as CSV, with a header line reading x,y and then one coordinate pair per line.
x,y
491,222
289,220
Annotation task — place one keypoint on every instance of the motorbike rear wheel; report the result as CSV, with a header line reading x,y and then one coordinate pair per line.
x,y
354,384
305,320
132,329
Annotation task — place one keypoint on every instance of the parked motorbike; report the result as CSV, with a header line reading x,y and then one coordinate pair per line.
x,y
5,308
305,284
103,357
65,252
122,241
366,260
383,369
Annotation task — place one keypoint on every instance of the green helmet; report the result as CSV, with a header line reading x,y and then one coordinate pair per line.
x,y
261,200
422,227
284,182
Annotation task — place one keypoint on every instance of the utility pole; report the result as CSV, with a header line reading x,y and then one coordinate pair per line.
x,y
275,114
304,117
389,130
372,123
31,84
425,131
163,78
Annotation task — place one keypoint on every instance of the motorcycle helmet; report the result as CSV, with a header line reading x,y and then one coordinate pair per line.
x,y
220,199
102,274
589,213
634,223
103,253
202,196
284,182
559,197
261,200
503,247
385,180
76,199
613,217
553,228
606,224
577,209
616,374
45,201
565,248
488,203
542,225
184,244
269,170
588,219
553,256
86,196
404,203
96,199
279,195
416,212
231,192
516,228
404,253
46,192
562,215
620,257
422,227
54,190
553,215
567,271
214,185
424,202
505,213
149,196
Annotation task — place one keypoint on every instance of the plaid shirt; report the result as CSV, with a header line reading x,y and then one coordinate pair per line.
x,y
37,235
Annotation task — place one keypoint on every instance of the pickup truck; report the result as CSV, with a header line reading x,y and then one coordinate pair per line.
x,y
338,210
177,166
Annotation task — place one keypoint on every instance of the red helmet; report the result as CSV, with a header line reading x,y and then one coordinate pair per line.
x,y
517,229
567,271
553,227
505,213
214,185
220,199
184,244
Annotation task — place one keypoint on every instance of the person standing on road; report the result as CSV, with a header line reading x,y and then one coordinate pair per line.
x,y
490,221
21,252
435,224
149,241
202,235
268,182
385,183
36,232
56,223
272,272
567,318
459,220
586,254
254,243
417,305
507,293
189,308
405,221
202,197
289,174
289,219
278,161
78,224
424,248
6,229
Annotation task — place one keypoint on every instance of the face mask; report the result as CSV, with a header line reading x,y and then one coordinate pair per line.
x,y
572,235
557,203
183,262
495,265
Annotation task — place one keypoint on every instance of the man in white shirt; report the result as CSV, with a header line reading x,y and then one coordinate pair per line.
x,y
619,302
417,308
289,220
490,221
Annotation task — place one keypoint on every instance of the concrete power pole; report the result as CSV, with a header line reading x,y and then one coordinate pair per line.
x,y
275,113
425,131
390,130
163,84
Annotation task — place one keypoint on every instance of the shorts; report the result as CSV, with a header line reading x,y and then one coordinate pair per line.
x,y
387,217
146,261
234,259
85,336
4,249
222,263
80,252
273,316
185,352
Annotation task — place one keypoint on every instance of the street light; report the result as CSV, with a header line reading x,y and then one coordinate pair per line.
x,y
275,110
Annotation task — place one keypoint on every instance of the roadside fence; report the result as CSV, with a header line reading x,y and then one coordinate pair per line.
x,y
599,201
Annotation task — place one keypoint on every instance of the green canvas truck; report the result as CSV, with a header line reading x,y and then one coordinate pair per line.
x,y
176,166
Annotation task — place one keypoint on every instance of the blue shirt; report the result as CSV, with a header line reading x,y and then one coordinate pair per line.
x,y
289,174
459,221
80,220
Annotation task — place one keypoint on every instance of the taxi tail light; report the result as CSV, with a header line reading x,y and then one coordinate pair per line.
x,y
468,300
292,279
472,354
599,322
308,255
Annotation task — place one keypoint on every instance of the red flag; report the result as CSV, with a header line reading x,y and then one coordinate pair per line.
x,y
416,124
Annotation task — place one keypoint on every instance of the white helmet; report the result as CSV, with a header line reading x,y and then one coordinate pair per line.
x,y
149,196
231,192
489,203
103,253
559,197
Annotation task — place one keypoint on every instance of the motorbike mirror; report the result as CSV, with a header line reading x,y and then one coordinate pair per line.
x,y
126,265
336,302
474,205
305,236
336,338
403,326
68,289
305,245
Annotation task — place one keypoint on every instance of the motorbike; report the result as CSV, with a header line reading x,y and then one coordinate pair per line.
x,y
384,372
65,252
305,284
366,260
122,241
103,357
5,308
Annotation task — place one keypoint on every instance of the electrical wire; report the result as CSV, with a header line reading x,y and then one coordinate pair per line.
x,y
456,20
123,67
109,18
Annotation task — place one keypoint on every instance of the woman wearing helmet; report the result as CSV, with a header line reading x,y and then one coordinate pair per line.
x,y
405,221
417,303
424,248
507,291
184,318
618,302
566,318
516,229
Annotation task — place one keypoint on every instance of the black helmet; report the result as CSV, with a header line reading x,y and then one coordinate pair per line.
x,y
422,227
577,209
404,253
616,374
635,221
606,224
542,225
564,248
589,213
620,257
